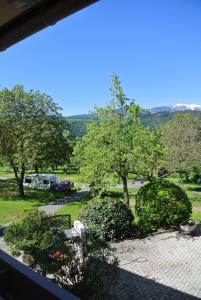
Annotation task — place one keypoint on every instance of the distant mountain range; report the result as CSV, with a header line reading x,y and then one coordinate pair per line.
x,y
175,108
153,118
170,108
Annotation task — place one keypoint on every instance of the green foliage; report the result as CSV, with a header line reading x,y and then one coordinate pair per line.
x,y
78,127
107,218
116,144
29,233
182,138
161,203
31,131
78,124
82,266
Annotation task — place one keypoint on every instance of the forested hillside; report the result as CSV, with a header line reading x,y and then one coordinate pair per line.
x,y
78,124
158,119
78,127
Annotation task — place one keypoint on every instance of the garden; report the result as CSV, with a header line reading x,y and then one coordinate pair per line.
x,y
139,181
108,218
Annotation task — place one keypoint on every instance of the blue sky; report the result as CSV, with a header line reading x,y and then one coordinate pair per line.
x,y
153,45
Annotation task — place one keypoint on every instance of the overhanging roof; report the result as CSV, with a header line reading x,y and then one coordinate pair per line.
x,y
21,18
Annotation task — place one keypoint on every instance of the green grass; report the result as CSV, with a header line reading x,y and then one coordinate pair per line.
x,y
74,208
70,175
196,216
193,191
5,172
11,203
10,209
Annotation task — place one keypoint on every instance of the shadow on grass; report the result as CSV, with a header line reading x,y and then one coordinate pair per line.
x,y
73,197
195,189
9,192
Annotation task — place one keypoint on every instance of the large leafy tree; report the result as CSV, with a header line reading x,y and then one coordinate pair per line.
x,y
116,144
52,148
182,138
32,131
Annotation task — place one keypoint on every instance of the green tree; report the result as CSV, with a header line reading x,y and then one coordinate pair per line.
x,y
53,148
31,130
182,138
116,144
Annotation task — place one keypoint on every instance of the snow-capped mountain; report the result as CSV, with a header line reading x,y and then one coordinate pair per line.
x,y
176,107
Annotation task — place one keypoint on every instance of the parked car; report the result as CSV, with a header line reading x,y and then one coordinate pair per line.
x,y
62,186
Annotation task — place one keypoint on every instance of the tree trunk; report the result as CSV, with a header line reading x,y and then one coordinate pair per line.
x,y
20,179
125,189
20,183
21,188
187,180
36,168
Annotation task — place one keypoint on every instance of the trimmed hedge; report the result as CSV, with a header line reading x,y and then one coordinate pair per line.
x,y
107,218
161,203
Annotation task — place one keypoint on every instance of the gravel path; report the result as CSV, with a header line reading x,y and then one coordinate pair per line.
x,y
133,185
53,207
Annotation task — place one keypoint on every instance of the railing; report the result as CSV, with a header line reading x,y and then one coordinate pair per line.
x,y
18,282
59,221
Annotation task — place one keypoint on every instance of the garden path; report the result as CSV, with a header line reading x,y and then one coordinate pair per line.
x,y
53,207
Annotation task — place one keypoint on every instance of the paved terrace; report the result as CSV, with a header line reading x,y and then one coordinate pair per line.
x,y
164,266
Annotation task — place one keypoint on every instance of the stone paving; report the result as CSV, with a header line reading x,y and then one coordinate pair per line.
x,y
164,266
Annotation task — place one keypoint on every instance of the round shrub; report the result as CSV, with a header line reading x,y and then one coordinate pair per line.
x,y
161,203
107,218
29,233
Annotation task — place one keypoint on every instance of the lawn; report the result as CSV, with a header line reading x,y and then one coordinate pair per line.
x,y
74,208
11,203
193,191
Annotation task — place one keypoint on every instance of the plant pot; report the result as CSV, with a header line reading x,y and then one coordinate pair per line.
x,y
188,226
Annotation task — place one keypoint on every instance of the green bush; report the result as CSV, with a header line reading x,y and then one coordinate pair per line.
x,y
82,265
161,203
29,233
107,218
